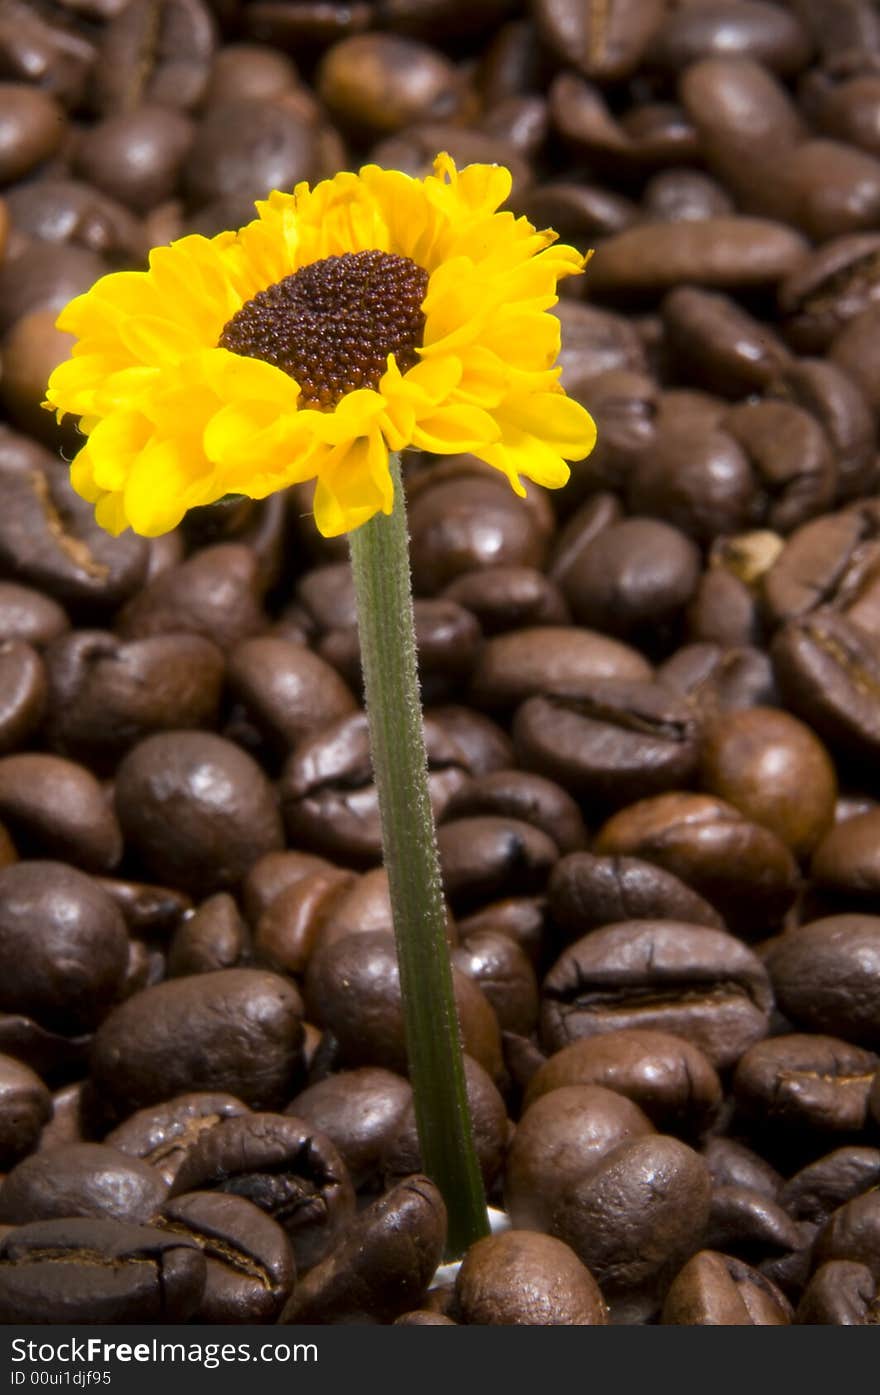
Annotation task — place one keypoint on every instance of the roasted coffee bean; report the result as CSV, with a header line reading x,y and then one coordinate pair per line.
x,y
69,210
286,690
292,1173
162,1136
698,479
697,983
447,640
506,598
353,990
717,680
854,350
679,195
25,1106
52,1055
634,578
716,1290
528,798
731,1164
826,977
383,1265
216,593
379,83
237,1030
23,694
63,946
847,861
81,1179
829,288
820,1187
498,966
843,412
360,1111
560,1138
745,1222
243,149
403,1153
58,807
249,1266
328,796
636,1217
98,1271
790,456
224,810
771,768
287,931
46,278
586,891
841,1293
828,561
615,742
251,71
48,536
742,868
147,910
752,28
31,129
272,874
521,1279
363,906
723,611
523,919
829,671
214,937
669,1078
459,525
807,1083
716,344
68,1123
155,51
484,745
550,660
852,1233
135,156
29,616
107,695
481,857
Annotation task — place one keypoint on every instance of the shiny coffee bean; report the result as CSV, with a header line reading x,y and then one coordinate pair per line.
x,y
383,1265
750,1225
751,28
286,933
224,810
163,1135
215,593
98,1271
716,1290
697,983
23,694
843,411
246,148
249,1266
135,156
81,1179
31,129
506,598
214,937
698,479
825,977
272,874
69,210
25,1107
634,578
403,1154
586,891
723,611
717,680
818,1189
361,1112
528,798
715,343
353,990
58,807
237,1031
292,1173
156,53
286,690
29,616
851,1233
522,1279
63,946
830,287
841,1293
679,195
742,868
806,1083
498,966
147,910
826,561
669,1078
485,856
790,457
461,524
550,660
847,861
828,670
379,83
731,1164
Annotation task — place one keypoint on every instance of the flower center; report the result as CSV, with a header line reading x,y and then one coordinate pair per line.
x,y
332,325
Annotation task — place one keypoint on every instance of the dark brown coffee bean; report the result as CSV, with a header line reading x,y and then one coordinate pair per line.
x,y
85,1270
560,1138
81,1179
849,112
615,742
107,695
272,874
353,990
237,1030
293,1174
820,1187
828,561
636,1217
70,211
59,808
716,344
717,680
723,611
841,1293
29,616
576,211
528,798
742,868
716,1290
697,478
31,129
287,931
852,1233
156,51
249,1266
216,594
854,350
586,891
634,578
447,640
25,1106
805,1083
360,1111
735,254
604,44
771,767
731,1164
482,857
483,744
790,456
826,977
521,1279
63,947
244,149
384,1263
403,1153
745,1222
135,156
162,1136
844,414
683,196
829,672
751,28
214,937
697,983
595,342
363,906
652,134
222,809
507,598
550,660
37,50
458,525
829,288
847,861
523,919
147,910
23,694
669,1078
246,70
286,690
378,83
498,966
48,536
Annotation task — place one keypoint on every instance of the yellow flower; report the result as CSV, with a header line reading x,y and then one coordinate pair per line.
x,y
372,312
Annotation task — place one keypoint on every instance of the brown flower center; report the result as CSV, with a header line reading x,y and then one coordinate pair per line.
x,y
332,325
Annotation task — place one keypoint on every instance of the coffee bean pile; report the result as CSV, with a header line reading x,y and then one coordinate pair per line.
x,y
652,700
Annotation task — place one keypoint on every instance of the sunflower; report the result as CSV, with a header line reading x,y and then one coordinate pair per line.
x,y
372,312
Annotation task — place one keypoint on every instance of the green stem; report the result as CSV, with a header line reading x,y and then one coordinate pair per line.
x,y
380,563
